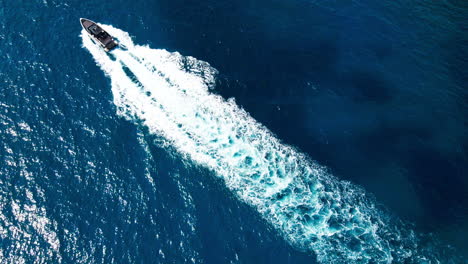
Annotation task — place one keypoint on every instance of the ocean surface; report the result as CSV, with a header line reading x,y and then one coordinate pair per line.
x,y
234,132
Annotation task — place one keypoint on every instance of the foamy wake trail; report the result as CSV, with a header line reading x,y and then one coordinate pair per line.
x,y
314,211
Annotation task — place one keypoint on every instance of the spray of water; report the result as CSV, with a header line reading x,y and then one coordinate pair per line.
x,y
170,95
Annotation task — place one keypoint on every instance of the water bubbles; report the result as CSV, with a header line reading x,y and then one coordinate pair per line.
x,y
170,94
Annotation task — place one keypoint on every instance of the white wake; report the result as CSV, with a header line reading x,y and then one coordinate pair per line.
x,y
170,95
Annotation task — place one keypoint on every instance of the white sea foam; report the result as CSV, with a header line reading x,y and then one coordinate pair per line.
x,y
169,94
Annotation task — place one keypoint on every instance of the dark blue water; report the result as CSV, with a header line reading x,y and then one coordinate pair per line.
x,y
376,92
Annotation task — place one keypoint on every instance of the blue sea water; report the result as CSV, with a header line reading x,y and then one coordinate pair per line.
x,y
103,167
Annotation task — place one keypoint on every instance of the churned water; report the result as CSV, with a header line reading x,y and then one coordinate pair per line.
x,y
302,132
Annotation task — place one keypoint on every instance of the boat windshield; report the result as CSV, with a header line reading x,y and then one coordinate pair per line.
x,y
95,29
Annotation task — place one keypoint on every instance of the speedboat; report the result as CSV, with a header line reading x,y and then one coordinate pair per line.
x,y
98,34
